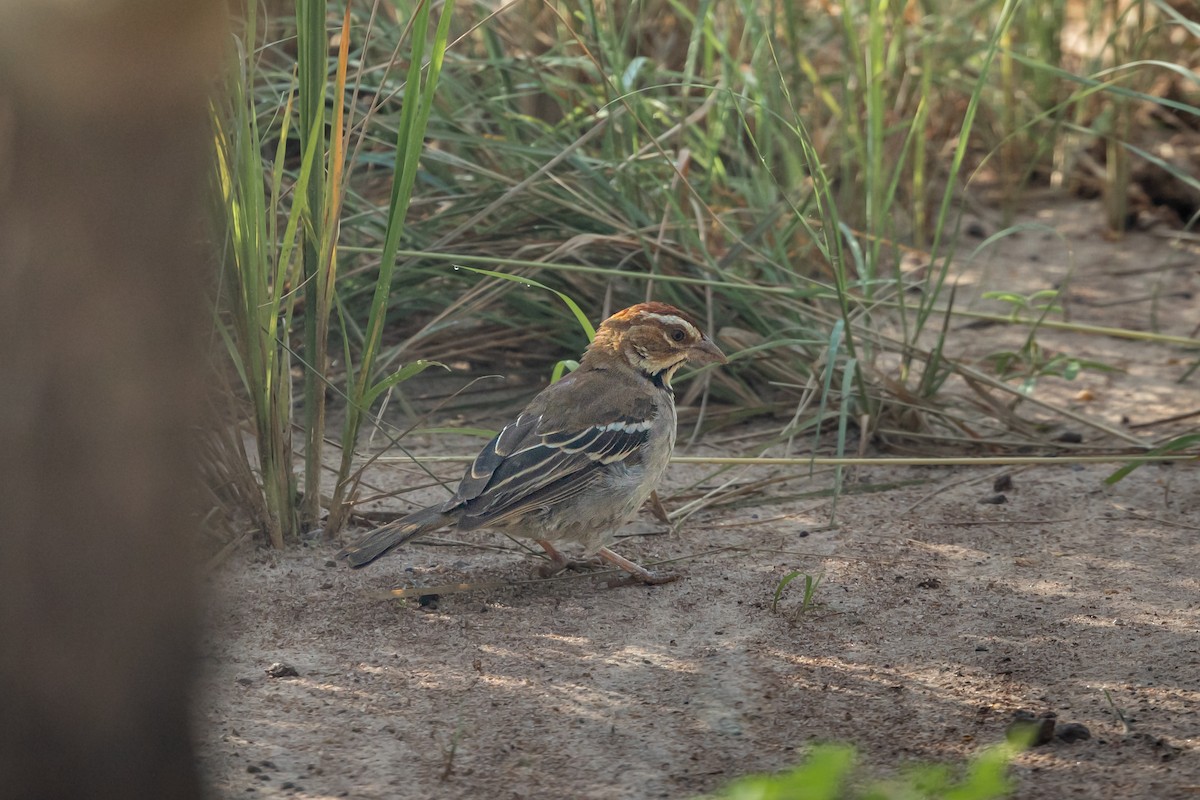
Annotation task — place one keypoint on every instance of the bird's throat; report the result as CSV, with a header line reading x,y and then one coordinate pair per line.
x,y
662,378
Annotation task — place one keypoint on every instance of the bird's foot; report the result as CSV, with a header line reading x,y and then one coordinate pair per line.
x,y
560,563
637,573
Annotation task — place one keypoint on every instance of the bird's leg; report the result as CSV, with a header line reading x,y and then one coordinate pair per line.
x,y
637,571
559,562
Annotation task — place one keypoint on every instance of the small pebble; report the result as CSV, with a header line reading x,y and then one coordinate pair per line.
x,y
1025,723
1071,732
281,670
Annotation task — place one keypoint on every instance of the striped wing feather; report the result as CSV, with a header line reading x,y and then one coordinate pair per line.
x,y
526,467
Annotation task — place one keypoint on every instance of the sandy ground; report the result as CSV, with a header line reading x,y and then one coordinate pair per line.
x,y
937,615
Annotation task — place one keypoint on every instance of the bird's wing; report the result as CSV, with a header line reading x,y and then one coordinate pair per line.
x,y
539,460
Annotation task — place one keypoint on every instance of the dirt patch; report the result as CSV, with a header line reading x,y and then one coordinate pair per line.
x,y
937,617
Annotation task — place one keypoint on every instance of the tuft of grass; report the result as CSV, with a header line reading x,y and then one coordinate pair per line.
x,y
808,600
831,772
280,222
254,308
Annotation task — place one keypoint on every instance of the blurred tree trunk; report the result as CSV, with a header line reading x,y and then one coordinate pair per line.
x,y
103,139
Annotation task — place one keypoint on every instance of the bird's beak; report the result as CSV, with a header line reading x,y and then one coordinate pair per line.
x,y
705,352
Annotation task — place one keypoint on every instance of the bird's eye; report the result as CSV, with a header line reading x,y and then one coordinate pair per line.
x,y
677,335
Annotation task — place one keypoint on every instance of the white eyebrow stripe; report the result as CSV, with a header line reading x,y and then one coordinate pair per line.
x,y
669,319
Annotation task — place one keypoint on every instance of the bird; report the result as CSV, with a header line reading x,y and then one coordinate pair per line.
x,y
583,456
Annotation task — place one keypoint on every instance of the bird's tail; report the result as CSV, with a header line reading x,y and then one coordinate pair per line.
x,y
383,540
